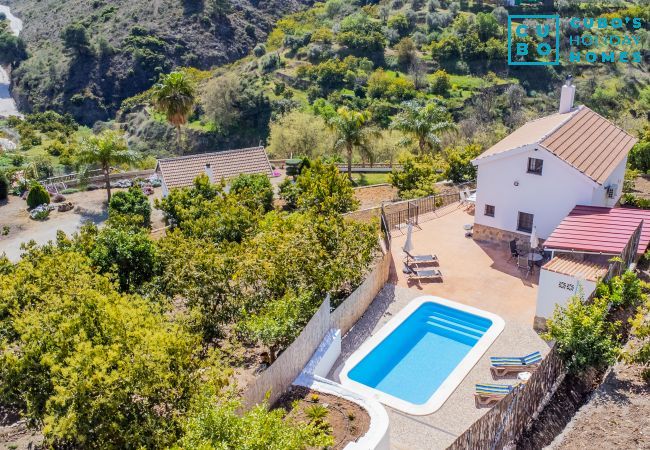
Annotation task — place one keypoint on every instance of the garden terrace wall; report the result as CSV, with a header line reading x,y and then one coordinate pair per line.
x,y
277,378
505,423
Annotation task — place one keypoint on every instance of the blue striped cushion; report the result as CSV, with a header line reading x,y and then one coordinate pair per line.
x,y
493,389
533,358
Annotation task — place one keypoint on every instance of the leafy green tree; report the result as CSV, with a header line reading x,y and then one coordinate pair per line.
x,y
105,149
459,160
417,177
75,38
487,26
255,191
406,52
37,196
98,369
126,251
299,133
206,211
325,190
12,49
280,321
175,96
584,338
217,423
361,33
201,273
424,123
352,129
131,203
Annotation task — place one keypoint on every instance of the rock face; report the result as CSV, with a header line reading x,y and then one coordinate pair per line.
x,y
130,42
7,103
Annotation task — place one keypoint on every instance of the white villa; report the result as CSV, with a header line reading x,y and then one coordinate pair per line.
x,y
535,176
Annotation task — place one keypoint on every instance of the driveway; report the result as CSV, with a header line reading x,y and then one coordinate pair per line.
x,y
90,206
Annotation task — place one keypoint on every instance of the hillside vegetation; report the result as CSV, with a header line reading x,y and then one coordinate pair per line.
x,y
379,56
86,56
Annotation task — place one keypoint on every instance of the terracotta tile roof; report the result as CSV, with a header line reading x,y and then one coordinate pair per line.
x,y
585,270
591,144
600,230
181,171
582,138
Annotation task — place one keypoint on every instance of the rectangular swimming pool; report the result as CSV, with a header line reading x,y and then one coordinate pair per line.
x,y
416,360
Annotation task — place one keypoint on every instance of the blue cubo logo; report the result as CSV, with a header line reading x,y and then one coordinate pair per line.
x,y
534,40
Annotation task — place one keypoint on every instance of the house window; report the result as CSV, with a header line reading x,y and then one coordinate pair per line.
x,y
535,166
525,222
489,210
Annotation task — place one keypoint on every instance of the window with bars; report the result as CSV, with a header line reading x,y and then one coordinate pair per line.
x,y
525,222
535,166
489,210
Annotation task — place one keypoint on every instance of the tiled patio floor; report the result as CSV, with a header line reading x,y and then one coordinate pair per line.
x,y
475,274
479,274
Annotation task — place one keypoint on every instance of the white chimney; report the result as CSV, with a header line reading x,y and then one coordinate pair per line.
x,y
567,96
209,173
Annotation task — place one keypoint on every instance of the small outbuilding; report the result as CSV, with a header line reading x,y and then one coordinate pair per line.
x,y
181,172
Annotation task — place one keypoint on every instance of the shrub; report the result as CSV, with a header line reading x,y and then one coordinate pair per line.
x,y
289,192
584,338
460,167
395,89
37,196
133,203
440,83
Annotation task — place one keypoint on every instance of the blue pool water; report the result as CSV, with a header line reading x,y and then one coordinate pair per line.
x,y
416,358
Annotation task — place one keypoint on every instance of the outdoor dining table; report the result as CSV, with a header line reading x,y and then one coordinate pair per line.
x,y
532,256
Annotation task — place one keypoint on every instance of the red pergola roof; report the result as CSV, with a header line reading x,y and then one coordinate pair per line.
x,y
600,230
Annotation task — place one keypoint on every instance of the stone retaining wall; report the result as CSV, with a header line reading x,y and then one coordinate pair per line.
x,y
485,233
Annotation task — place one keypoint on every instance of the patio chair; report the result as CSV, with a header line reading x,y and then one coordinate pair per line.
x,y
489,394
502,366
514,252
423,274
524,264
421,259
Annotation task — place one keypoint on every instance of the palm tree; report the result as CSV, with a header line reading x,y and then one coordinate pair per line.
x,y
425,123
174,96
106,149
352,130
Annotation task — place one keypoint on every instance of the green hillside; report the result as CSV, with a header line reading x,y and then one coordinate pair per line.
x,y
86,56
377,56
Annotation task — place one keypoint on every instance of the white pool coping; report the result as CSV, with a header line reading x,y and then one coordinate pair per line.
x,y
452,381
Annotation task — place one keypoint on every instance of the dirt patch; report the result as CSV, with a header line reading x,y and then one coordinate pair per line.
x,y
618,415
373,196
642,186
347,420
14,433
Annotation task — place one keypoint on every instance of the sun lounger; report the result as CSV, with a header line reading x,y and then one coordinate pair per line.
x,y
504,365
421,259
421,274
488,394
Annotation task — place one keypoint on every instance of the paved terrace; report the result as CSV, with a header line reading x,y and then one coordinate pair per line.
x,y
477,274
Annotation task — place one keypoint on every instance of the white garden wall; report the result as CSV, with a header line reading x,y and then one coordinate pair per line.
x,y
556,289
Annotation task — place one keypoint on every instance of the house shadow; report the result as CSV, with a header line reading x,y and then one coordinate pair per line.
x,y
502,261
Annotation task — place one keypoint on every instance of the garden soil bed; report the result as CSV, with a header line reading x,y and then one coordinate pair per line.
x,y
348,420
